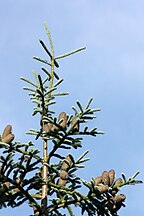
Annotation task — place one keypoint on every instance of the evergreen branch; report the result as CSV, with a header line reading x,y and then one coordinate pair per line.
x,y
16,148
135,175
29,89
48,92
50,39
45,80
70,210
4,145
60,94
58,82
75,110
130,181
41,60
35,75
89,102
70,53
47,51
76,199
81,116
80,106
56,76
28,81
23,192
45,48
40,83
81,157
36,196
47,73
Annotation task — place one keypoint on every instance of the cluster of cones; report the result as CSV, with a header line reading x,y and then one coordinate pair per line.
x,y
7,135
106,183
62,122
66,164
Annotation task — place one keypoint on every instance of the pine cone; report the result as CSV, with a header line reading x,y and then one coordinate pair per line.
x,y
76,127
64,175
7,136
47,127
62,182
6,131
66,164
105,178
8,139
118,181
111,174
98,180
119,198
63,116
103,188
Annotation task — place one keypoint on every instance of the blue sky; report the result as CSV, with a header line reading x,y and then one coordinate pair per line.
x,y
111,70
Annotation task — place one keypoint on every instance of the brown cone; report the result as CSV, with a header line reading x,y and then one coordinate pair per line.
x,y
66,164
8,139
61,182
118,181
76,127
63,116
119,198
105,178
47,127
7,130
98,180
103,188
111,174
64,175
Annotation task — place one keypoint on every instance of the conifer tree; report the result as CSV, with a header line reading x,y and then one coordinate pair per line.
x,y
44,178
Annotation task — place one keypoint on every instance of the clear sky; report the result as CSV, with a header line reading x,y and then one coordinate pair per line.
x,y
111,70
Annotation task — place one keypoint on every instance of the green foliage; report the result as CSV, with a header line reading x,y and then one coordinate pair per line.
x,y
27,175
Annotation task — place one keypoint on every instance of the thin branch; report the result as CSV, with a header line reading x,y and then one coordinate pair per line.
x,y
70,53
